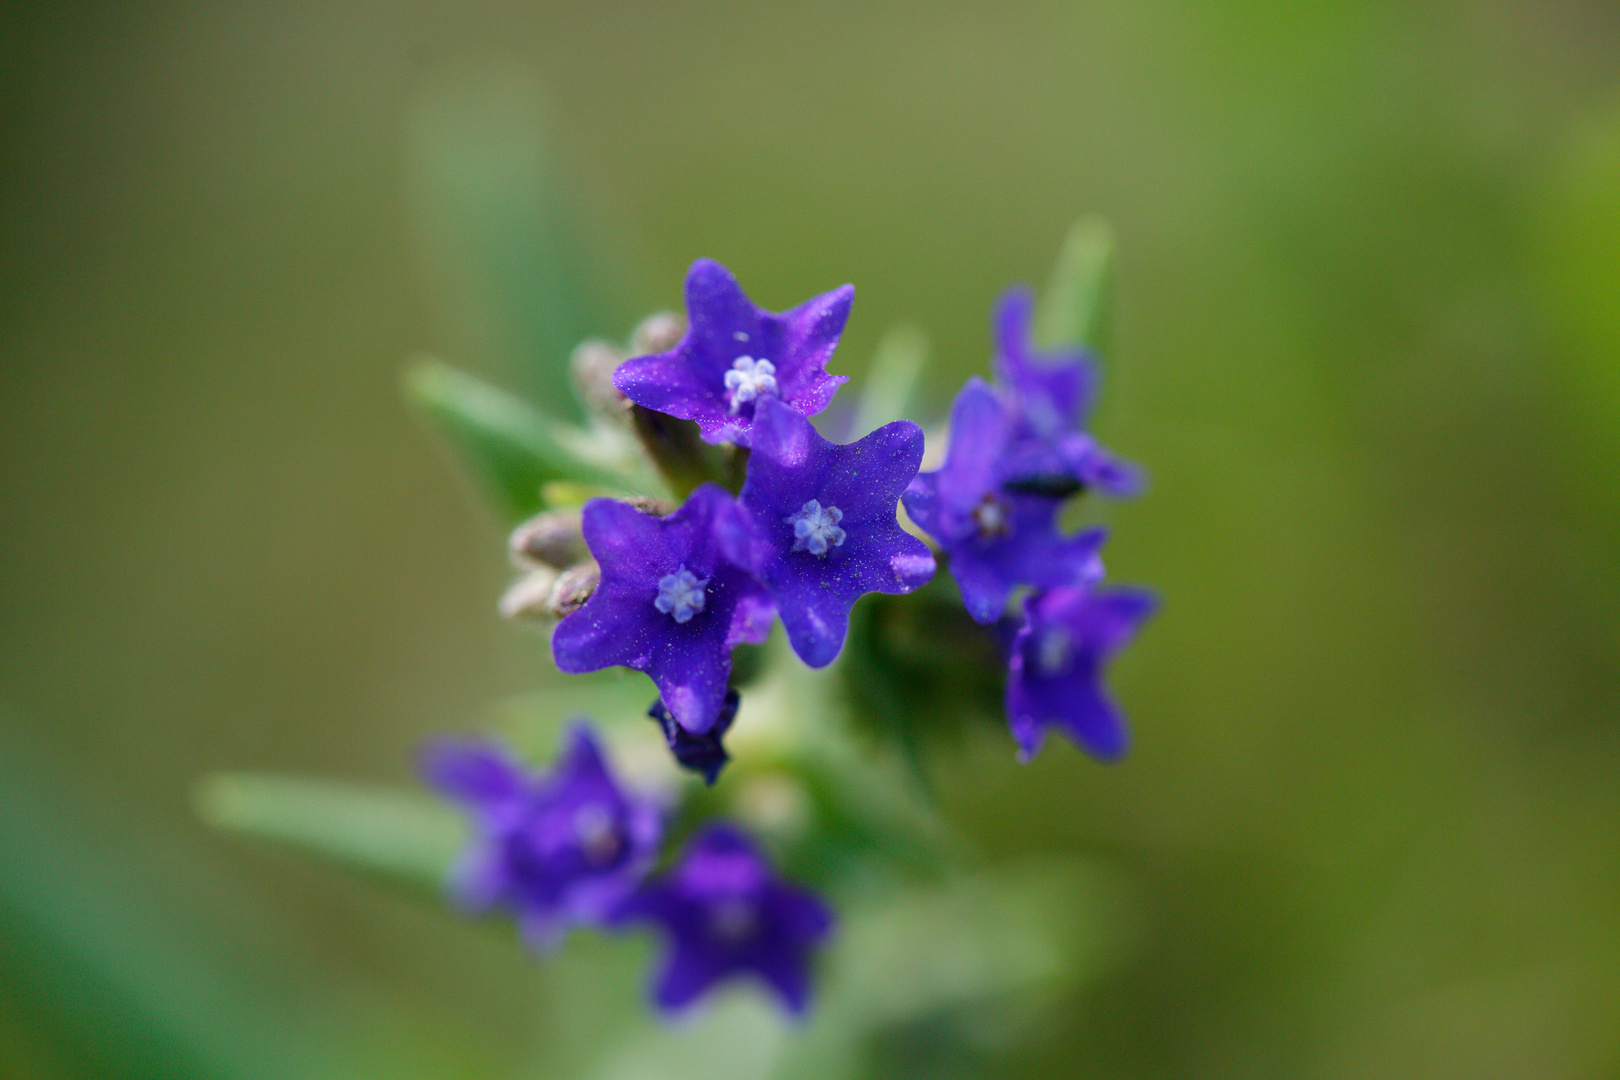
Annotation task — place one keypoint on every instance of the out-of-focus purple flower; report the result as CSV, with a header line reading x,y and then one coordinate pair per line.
x,y
668,604
558,849
735,355
816,523
724,913
997,538
1055,673
703,754
1050,395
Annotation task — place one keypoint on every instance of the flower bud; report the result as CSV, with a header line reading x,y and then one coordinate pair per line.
x,y
550,539
574,586
593,364
650,506
657,333
528,597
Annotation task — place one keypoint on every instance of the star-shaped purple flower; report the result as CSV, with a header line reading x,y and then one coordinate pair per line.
x,y
997,537
668,604
1050,394
816,523
724,913
735,355
1055,674
558,849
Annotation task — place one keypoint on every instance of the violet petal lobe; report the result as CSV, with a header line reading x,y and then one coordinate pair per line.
x,y
481,776
816,523
1055,674
724,914
1051,391
669,604
1048,395
735,355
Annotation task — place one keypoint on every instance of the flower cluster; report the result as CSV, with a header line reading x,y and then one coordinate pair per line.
x,y
574,848
1017,452
775,521
812,529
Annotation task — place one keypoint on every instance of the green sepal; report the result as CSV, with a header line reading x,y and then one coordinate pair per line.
x,y
682,458
407,837
503,442
1074,308
918,672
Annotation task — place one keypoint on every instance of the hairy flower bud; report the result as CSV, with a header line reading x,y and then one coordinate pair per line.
x,y
574,586
657,333
549,539
648,505
529,596
593,363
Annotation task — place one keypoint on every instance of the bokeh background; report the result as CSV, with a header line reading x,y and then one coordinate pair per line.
x,y
1367,340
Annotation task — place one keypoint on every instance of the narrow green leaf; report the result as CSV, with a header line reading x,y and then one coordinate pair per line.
x,y
401,835
111,950
1074,308
518,265
508,446
891,379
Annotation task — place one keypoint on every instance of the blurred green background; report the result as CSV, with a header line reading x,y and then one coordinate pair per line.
x,y
1367,342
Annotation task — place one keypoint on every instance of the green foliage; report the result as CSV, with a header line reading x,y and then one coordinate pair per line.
x,y
892,379
407,837
509,448
967,964
112,971
918,670
501,230
1074,308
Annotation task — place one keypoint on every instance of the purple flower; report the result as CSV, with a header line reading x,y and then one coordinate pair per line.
x,y
724,914
816,523
997,538
558,849
668,604
1055,674
703,754
1050,394
735,355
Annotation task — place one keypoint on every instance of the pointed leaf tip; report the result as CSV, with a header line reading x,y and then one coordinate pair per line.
x,y
1073,310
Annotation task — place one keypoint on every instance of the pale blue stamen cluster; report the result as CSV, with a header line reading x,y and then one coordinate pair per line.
x,y
991,517
680,595
1054,652
748,379
815,528
596,832
733,921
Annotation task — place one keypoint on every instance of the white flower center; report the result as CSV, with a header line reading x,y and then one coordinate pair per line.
x,y
733,921
748,379
680,595
991,517
597,836
1053,653
815,528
